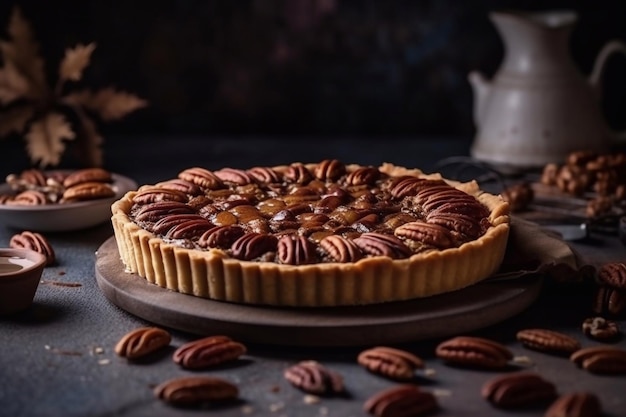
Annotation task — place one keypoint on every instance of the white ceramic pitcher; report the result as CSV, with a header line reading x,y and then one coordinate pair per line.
x,y
538,107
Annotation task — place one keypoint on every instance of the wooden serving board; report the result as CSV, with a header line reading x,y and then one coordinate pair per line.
x,y
443,315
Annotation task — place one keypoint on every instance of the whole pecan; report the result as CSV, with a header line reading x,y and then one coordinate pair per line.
x,y
363,175
220,237
601,359
295,250
87,175
390,362
88,191
196,390
34,241
201,177
519,389
576,404
152,212
401,401
252,245
548,341
264,175
153,194
429,234
234,176
208,352
378,244
314,378
340,249
329,169
142,341
298,173
601,329
474,352
609,300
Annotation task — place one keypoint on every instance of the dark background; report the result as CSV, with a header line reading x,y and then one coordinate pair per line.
x,y
299,67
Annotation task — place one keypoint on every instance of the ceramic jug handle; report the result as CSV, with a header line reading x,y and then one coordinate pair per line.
x,y
598,69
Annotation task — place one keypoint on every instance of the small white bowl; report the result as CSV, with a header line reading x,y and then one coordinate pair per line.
x,y
63,217
20,273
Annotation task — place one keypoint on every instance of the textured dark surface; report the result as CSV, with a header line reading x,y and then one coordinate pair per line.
x,y
57,358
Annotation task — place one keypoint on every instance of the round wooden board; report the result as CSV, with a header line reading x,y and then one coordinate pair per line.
x,y
443,315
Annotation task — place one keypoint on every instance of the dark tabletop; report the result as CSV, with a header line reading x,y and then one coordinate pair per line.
x,y
57,358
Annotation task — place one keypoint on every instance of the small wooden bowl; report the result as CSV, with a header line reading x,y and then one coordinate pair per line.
x,y
20,273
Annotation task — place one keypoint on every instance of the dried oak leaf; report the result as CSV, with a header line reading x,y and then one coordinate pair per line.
x,y
75,61
44,140
23,53
108,103
15,119
13,85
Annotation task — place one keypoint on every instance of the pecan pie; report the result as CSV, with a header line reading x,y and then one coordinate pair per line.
x,y
321,234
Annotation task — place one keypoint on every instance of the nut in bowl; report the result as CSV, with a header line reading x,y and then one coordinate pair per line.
x,y
57,201
20,272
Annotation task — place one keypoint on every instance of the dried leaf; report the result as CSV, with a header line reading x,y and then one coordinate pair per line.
x,y
108,103
45,139
15,119
23,53
12,84
75,61
90,142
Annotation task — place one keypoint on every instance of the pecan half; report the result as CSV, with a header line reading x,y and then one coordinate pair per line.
x,y
609,300
314,378
576,404
474,352
34,241
298,173
472,209
329,169
426,233
520,389
28,178
180,226
264,175
409,186
601,359
295,250
152,212
208,352
234,176
28,198
548,341
178,184
362,176
252,245
613,274
196,390
142,341
378,244
152,194
88,191
87,175
393,363
220,237
469,228
401,401
201,177
599,328
447,195
340,249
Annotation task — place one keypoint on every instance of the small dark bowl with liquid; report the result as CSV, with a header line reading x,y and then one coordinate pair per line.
x,y
20,273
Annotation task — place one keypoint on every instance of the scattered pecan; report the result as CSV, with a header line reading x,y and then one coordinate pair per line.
x,y
601,329
601,359
517,390
519,196
87,175
252,245
208,352
613,274
201,177
142,341
329,169
29,198
548,341
88,191
340,249
576,404
609,301
295,250
34,241
196,390
401,401
314,378
474,352
392,363
378,244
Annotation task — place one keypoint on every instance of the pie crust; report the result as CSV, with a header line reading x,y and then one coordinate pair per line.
x,y
215,273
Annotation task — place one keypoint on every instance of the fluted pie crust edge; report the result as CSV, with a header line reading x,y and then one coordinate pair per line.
x,y
213,274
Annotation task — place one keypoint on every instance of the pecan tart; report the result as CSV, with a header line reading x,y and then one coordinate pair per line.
x,y
322,234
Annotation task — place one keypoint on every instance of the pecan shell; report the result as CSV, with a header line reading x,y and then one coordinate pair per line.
x,y
295,250
340,249
601,359
142,341
520,389
474,352
390,362
208,352
576,404
314,378
34,241
196,390
401,401
378,244
548,341
252,245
